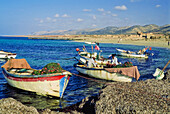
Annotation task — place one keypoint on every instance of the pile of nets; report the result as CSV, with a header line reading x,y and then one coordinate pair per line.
x,y
49,69
126,64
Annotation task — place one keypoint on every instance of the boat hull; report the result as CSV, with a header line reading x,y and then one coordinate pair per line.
x,y
130,54
7,55
53,85
103,74
3,56
11,56
133,55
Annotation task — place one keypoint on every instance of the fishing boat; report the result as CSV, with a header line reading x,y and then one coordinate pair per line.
x,y
113,74
19,74
7,55
89,42
85,56
127,53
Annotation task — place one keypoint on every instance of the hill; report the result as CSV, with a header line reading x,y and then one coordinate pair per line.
x,y
111,30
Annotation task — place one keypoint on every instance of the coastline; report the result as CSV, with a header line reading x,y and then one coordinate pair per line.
x,y
162,42
141,42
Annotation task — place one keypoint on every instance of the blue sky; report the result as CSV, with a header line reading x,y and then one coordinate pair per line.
x,y
28,16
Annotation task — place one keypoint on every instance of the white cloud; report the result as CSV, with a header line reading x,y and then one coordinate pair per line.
x,y
54,20
48,18
65,15
123,7
56,15
157,6
41,21
109,12
79,19
114,15
94,25
87,10
94,17
100,9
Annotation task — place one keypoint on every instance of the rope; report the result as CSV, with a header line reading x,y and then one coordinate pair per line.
x,y
121,87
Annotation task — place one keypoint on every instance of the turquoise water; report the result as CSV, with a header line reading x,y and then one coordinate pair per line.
x,y
38,53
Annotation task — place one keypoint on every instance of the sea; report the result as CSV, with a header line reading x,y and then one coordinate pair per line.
x,y
39,52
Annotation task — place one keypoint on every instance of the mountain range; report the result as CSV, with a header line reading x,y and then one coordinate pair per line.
x,y
152,28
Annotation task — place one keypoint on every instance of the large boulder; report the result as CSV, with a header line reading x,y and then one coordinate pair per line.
x,y
12,106
150,96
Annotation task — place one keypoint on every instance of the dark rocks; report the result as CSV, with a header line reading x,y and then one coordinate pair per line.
x,y
86,106
11,106
150,96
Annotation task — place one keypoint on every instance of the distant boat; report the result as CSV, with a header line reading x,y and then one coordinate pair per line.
x,y
18,73
130,53
7,55
89,42
114,74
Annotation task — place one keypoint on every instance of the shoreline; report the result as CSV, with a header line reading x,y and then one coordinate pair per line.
x,y
156,43
140,41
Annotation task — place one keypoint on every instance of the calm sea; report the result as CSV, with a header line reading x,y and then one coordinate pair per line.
x,y
38,53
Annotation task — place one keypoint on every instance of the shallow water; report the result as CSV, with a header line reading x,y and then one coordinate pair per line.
x,y
38,53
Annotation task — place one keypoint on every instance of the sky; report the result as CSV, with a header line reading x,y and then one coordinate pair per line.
x,y
24,17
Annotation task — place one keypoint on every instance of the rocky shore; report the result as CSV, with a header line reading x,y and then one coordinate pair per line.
x,y
144,97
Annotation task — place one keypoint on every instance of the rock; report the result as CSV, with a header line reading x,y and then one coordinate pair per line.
x,y
11,106
85,106
167,75
150,96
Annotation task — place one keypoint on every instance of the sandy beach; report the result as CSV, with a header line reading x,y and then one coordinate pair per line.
x,y
153,43
162,42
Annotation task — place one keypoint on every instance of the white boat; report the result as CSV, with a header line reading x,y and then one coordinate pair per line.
x,y
112,74
130,54
7,55
85,56
89,42
18,74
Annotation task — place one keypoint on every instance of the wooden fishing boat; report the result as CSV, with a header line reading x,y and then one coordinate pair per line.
x,y
130,54
85,56
114,74
18,73
7,55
